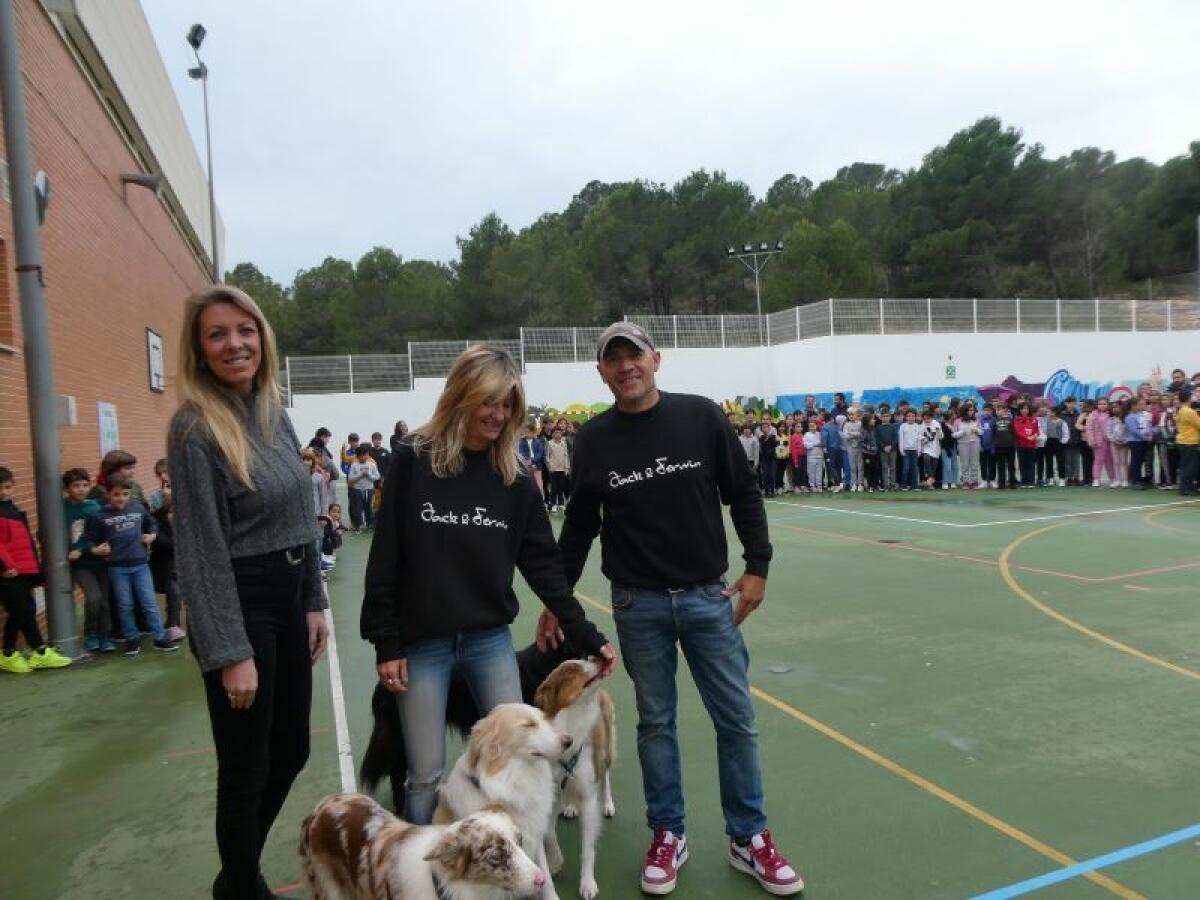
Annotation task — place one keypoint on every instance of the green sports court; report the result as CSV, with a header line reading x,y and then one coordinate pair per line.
x,y
959,695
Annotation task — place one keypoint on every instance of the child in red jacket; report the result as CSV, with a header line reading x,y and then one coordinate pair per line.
x,y
20,573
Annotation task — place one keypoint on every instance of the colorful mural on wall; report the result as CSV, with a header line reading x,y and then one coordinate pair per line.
x,y
1056,388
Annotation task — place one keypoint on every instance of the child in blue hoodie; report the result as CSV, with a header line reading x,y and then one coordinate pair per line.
x,y
121,534
987,446
831,439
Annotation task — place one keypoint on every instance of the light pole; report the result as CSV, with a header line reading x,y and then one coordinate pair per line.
x,y
755,261
199,72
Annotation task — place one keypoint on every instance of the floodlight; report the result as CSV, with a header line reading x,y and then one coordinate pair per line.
x,y
731,251
779,245
749,248
196,35
763,247
198,72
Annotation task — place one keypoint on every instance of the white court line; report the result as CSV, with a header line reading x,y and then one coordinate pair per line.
x,y
345,755
875,515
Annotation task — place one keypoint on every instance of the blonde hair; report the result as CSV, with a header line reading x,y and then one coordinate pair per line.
x,y
215,405
479,376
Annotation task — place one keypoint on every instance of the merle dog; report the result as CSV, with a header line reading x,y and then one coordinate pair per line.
x,y
385,752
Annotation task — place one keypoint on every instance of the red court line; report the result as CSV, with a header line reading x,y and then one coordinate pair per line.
x,y
1090,579
294,886
196,751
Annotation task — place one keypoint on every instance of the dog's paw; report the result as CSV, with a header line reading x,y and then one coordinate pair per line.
x,y
610,809
569,811
588,889
554,859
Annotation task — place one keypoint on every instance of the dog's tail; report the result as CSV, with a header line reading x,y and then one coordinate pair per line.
x,y
387,740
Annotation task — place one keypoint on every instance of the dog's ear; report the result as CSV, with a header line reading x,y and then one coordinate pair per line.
x,y
487,747
543,697
452,853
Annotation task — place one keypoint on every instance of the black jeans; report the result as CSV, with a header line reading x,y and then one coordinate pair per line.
x,y
1188,460
1138,455
1027,457
987,465
558,489
17,596
261,750
1006,473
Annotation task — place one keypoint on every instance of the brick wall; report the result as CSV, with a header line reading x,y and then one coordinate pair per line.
x,y
115,265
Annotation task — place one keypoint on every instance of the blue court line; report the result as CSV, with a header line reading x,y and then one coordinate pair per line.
x,y
1091,865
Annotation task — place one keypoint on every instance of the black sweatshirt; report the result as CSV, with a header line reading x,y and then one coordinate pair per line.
x,y
660,478
444,551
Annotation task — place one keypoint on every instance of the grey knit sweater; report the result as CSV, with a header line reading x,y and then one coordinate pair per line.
x,y
218,519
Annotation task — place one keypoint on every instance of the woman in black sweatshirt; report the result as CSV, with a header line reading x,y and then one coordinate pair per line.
x,y
459,514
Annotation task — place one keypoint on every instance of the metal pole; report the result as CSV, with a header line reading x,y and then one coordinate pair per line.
x,y
39,368
575,344
929,314
212,201
350,370
881,331
287,370
758,299
975,315
1018,315
675,331
830,302
797,323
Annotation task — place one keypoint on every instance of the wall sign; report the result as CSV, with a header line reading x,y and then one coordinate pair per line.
x,y
154,351
110,434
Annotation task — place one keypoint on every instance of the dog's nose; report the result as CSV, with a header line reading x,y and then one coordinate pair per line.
x,y
566,741
539,879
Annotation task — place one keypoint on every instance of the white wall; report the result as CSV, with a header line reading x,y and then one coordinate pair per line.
x,y
856,363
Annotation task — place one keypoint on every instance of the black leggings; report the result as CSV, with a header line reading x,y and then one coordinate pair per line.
x,y
1006,473
261,750
17,596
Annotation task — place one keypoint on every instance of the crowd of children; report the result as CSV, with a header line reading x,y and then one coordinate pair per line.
x,y
1139,442
119,548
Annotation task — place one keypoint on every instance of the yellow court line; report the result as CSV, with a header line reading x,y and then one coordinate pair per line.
x,y
1007,575
1148,518
924,784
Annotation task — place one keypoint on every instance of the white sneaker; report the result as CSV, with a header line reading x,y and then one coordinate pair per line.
x,y
1095,484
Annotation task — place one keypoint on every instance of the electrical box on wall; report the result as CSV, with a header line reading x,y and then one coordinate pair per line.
x,y
68,410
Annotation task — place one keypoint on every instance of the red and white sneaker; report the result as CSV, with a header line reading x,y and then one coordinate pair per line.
x,y
667,853
761,859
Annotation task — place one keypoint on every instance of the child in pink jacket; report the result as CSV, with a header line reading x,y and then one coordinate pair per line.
x,y
1096,436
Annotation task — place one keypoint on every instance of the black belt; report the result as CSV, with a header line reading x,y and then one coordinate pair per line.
x,y
293,556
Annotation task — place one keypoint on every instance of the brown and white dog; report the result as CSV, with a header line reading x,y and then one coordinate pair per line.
x,y
511,760
575,704
351,848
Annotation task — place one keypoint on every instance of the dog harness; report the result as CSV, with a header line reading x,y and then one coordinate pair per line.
x,y
568,766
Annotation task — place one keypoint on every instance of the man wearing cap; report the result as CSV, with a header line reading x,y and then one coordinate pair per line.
x,y
649,476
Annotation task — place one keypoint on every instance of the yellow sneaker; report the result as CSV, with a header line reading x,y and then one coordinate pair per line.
x,y
47,657
14,662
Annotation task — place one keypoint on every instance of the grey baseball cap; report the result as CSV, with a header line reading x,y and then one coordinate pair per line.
x,y
628,331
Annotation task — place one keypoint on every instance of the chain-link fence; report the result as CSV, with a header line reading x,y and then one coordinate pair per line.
x,y
852,316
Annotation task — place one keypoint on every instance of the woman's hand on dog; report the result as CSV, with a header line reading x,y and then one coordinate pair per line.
x,y
393,675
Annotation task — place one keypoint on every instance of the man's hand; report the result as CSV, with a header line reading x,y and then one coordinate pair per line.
x,y
393,675
318,634
750,590
549,633
148,539
102,549
74,555
608,659
10,573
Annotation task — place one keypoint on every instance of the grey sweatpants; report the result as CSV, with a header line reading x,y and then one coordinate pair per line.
x,y
968,456
816,470
856,466
94,584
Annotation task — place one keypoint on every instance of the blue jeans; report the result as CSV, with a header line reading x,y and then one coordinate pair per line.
x,y
909,470
488,663
833,464
650,625
951,473
361,507
134,584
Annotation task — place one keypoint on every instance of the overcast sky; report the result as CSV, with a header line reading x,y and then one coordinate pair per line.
x,y
341,126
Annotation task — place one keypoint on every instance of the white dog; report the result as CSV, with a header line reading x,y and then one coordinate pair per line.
x,y
574,703
351,848
510,761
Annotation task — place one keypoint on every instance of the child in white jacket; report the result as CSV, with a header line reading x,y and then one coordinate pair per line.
x,y
814,450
